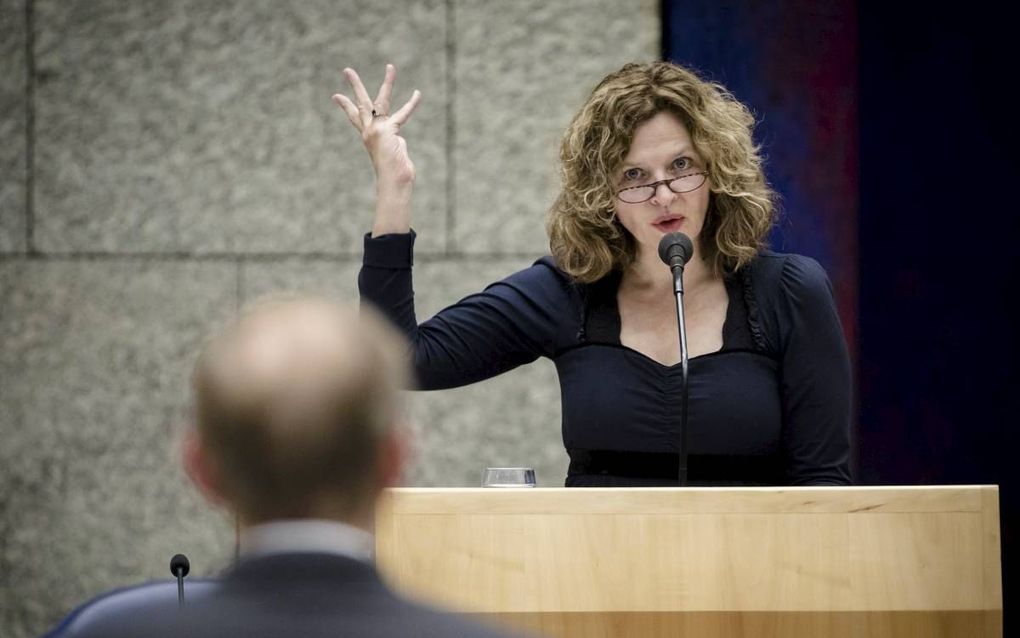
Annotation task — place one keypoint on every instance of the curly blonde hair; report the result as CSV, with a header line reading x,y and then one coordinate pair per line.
x,y
586,239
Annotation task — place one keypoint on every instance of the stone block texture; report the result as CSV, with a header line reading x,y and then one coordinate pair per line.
x,y
516,87
95,369
195,126
13,126
184,157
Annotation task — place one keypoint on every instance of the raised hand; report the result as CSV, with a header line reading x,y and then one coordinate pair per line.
x,y
380,129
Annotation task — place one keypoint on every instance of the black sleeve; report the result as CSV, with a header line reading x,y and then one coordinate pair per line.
x,y
815,375
510,323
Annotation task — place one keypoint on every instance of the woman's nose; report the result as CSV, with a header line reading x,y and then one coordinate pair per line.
x,y
663,195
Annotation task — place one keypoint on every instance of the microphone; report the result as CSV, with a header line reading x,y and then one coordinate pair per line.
x,y
675,250
179,567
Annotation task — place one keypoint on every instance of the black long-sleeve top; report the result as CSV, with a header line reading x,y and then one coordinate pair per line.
x,y
772,407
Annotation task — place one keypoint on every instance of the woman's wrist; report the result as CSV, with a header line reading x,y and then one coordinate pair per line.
x,y
392,213
390,227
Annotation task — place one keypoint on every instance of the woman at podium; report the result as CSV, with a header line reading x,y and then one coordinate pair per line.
x,y
654,150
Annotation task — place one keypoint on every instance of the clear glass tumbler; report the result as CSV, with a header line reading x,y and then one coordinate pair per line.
x,y
508,477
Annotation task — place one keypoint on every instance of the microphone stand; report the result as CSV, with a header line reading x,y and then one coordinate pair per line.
x,y
180,589
678,292
179,568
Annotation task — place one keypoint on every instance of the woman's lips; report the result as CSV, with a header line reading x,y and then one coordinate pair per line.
x,y
669,225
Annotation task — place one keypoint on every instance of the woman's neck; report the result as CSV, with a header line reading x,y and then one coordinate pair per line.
x,y
648,275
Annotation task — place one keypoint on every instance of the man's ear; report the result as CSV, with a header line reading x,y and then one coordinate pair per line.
x,y
201,468
395,454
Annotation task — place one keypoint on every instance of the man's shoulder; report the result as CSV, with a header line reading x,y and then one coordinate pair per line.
x,y
244,609
126,611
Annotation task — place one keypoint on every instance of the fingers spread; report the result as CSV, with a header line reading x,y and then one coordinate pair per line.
x,y
382,100
363,101
350,110
405,111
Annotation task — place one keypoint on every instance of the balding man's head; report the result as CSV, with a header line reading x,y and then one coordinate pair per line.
x,y
294,401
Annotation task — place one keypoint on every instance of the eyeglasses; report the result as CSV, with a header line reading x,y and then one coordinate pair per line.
x,y
683,184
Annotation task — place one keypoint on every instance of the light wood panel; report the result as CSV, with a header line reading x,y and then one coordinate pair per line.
x,y
733,561
707,624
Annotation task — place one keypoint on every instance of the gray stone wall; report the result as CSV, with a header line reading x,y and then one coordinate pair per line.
x,y
165,161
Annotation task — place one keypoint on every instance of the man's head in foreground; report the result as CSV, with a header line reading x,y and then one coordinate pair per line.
x,y
296,407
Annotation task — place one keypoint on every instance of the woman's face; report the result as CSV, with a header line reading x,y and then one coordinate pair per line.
x,y
662,149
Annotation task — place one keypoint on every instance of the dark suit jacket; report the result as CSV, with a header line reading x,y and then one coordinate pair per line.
x,y
284,595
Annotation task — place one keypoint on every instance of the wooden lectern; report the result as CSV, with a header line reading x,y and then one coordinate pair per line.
x,y
717,562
